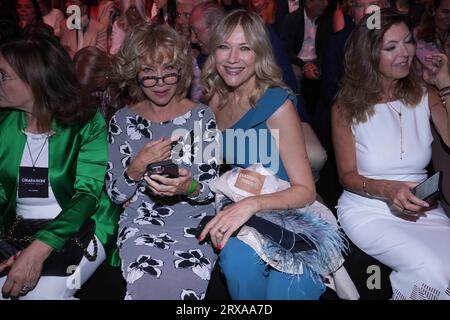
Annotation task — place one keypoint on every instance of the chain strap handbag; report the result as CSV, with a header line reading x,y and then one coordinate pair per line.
x,y
20,235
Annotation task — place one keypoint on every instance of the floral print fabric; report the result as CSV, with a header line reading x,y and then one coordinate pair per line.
x,y
161,258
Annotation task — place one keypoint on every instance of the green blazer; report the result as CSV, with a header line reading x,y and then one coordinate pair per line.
x,y
78,158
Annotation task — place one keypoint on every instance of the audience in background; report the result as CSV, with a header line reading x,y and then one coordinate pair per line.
x,y
182,14
305,32
89,33
342,15
132,12
51,16
165,12
264,8
93,68
433,33
28,12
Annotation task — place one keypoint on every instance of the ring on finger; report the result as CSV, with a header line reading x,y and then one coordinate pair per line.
x,y
26,288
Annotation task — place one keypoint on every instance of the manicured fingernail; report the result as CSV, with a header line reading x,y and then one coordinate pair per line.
x,y
219,247
14,258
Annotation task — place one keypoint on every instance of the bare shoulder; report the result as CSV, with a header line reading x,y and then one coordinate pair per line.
x,y
338,115
433,97
287,109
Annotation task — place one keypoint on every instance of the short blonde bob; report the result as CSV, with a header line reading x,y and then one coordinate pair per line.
x,y
151,44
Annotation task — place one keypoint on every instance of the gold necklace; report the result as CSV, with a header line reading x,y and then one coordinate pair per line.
x,y
399,113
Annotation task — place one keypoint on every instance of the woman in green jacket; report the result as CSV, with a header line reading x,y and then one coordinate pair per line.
x,y
53,159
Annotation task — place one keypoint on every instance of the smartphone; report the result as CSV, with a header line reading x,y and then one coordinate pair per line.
x,y
430,188
164,168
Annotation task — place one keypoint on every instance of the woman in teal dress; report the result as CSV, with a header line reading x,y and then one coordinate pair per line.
x,y
49,135
245,90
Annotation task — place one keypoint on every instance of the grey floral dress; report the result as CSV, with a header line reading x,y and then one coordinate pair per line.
x,y
161,257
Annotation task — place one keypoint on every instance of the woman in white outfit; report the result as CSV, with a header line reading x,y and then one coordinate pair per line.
x,y
382,138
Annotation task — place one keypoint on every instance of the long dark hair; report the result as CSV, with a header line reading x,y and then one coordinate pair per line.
x,y
36,8
427,29
43,64
360,87
171,9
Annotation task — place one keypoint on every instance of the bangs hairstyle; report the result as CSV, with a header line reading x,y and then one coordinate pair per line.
x,y
268,74
360,87
43,64
150,44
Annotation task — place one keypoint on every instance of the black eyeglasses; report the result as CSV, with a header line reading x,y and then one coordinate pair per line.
x,y
151,81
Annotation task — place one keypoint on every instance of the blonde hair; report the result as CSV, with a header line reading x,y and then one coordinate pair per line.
x,y
267,72
125,5
140,7
152,43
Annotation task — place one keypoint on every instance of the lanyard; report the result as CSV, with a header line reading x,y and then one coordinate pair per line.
x,y
33,162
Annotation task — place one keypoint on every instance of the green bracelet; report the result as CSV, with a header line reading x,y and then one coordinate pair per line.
x,y
193,187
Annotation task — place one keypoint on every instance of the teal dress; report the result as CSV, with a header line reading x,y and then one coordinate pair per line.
x,y
248,277
259,145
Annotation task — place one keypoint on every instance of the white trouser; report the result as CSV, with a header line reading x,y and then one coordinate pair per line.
x,y
61,288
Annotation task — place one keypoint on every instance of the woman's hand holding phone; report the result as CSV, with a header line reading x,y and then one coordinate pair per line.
x,y
153,151
400,195
168,187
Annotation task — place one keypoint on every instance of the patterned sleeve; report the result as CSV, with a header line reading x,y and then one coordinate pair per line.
x,y
119,186
208,169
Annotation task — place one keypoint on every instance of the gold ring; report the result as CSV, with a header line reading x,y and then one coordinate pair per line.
x,y
222,232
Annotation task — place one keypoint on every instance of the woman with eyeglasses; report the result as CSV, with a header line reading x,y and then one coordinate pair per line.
x,y
161,257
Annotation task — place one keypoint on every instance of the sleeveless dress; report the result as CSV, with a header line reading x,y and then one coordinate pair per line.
x,y
415,249
260,146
